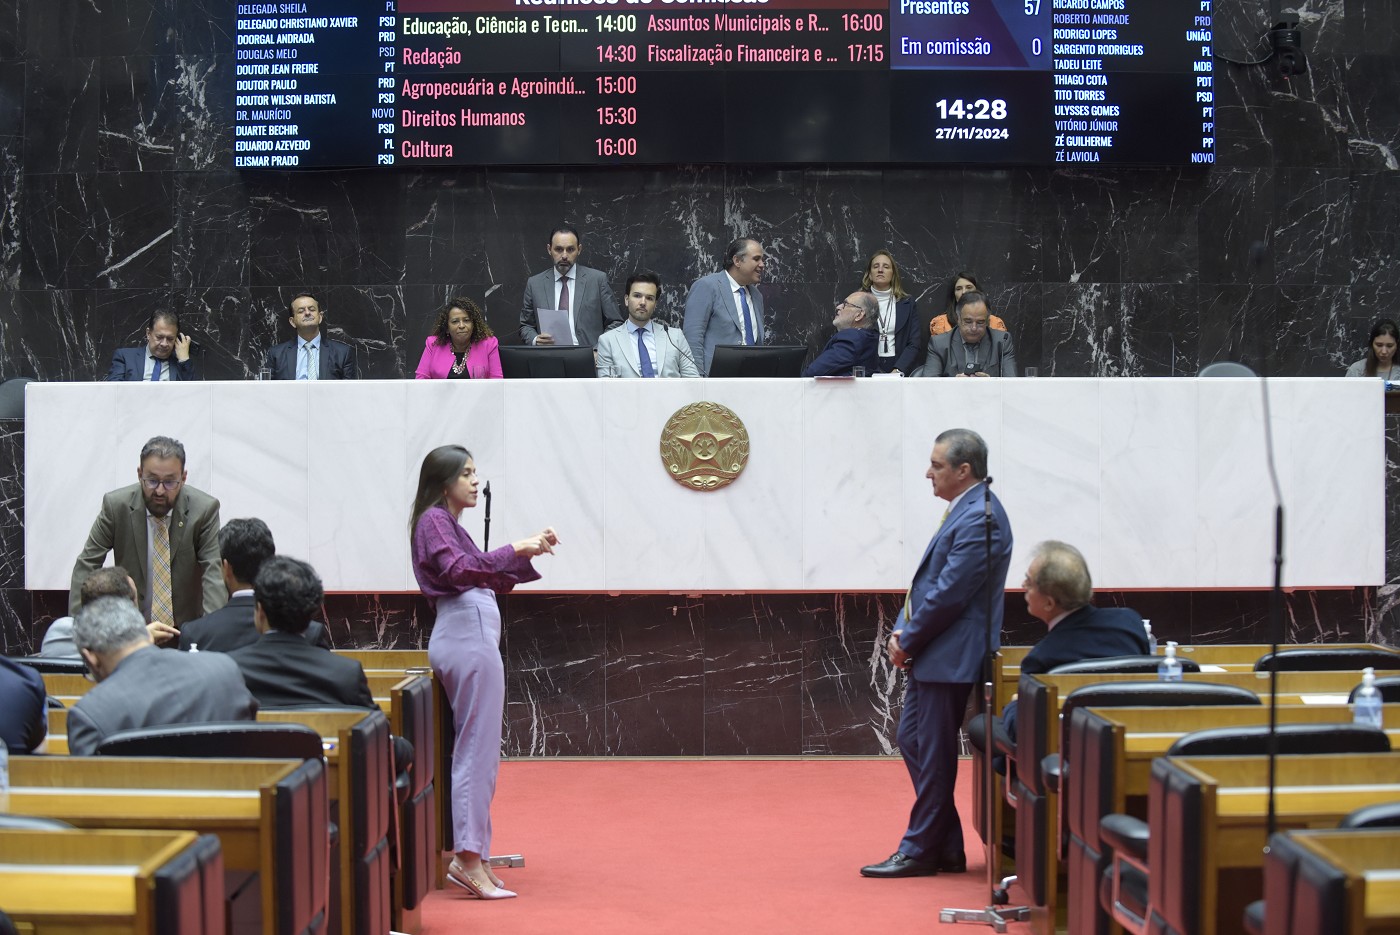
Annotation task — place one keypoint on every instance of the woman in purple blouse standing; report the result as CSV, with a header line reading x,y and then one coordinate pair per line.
x,y
462,582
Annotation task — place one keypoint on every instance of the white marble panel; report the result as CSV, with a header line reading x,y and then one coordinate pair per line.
x,y
85,439
1050,476
753,527
1235,502
649,519
853,442
1330,528
1148,494
932,406
260,463
470,413
554,476
358,470
1161,482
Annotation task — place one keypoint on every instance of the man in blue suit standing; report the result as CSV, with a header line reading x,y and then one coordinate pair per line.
x,y
940,640
726,307
166,355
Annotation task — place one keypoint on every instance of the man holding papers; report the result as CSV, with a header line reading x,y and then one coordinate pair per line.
x,y
579,293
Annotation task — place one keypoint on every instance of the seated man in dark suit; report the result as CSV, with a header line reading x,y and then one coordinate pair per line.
x,y
282,668
140,686
1058,591
244,544
310,356
970,350
166,355
24,715
853,345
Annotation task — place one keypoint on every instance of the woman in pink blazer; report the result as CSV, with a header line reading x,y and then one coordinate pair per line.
x,y
461,346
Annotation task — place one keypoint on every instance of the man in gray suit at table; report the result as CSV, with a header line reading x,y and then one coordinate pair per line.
x,y
726,307
140,686
580,291
643,347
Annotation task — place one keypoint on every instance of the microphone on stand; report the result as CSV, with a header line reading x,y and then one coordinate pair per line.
x,y
486,535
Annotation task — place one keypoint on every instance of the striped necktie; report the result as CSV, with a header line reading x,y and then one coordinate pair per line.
x,y
162,603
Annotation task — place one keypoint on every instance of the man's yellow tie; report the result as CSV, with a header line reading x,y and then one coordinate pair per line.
x,y
909,594
162,604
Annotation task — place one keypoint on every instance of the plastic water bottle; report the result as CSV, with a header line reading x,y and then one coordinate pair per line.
x,y
4,777
1151,640
1169,670
1366,709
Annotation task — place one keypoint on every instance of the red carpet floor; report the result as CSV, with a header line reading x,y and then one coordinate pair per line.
x,y
622,846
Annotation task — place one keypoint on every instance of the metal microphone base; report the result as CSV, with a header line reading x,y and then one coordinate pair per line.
x,y
995,916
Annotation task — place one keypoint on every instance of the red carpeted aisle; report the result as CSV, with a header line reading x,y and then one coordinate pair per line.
x,y
621,846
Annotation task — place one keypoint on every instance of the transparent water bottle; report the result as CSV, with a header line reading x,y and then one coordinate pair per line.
x,y
1151,638
1366,708
1169,670
4,777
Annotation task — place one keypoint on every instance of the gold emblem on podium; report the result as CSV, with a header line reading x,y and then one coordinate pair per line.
x,y
704,446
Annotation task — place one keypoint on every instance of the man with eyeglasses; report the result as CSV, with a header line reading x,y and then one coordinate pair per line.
x,y
971,350
854,343
165,533
166,355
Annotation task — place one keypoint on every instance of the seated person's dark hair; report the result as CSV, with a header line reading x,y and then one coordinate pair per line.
x,y
245,544
642,276
105,582
973,298
166,315
289,592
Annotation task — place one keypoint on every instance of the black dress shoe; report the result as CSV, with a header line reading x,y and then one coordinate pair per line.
x,y
952,865
898,865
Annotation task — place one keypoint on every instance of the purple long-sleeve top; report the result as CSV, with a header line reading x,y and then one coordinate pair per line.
x,y
446,561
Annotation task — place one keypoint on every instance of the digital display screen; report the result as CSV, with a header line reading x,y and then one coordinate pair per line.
x,y
325,83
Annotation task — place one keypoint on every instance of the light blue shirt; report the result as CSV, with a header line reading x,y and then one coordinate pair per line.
x,y
309,365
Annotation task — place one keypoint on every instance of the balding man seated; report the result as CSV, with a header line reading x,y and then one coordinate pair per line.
x,y
141,686
282,668
1058,591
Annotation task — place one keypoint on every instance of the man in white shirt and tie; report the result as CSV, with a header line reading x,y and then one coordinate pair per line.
x,y
568,287
726,307
310,355
644,347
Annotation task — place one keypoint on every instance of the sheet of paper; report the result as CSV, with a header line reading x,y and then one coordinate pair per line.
x,y
1324,699
555,323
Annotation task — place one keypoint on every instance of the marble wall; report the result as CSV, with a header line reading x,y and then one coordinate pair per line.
x,y
116,198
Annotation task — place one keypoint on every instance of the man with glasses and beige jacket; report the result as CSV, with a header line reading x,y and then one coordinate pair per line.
x,y
165,533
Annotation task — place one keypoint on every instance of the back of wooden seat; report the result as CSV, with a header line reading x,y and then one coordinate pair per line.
x,y
301,889
189,891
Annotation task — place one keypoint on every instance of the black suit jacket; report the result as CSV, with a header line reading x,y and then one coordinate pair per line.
x,y
337,360
129,365
910,338
231,627
1088,633
24,716
283,669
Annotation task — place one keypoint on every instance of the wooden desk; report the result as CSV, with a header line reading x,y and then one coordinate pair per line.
x,y
1370,860
85,882
1208,818
1235,657
233,799
1111,759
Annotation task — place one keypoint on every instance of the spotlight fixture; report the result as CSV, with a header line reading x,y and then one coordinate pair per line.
x,y
1286,39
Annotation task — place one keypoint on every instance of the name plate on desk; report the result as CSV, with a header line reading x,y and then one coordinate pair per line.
x,y
1162,483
